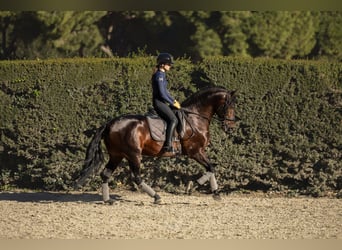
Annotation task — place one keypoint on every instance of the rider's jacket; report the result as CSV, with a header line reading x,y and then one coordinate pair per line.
x,y
159,86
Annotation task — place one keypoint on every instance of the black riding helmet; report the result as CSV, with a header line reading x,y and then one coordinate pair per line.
x,y
164,58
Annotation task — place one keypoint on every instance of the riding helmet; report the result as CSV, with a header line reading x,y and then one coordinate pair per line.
x,y
164,58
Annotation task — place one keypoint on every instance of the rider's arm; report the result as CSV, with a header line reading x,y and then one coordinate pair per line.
x,y
163,92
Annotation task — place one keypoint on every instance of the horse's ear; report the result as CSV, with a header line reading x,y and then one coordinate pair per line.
x,y
233,93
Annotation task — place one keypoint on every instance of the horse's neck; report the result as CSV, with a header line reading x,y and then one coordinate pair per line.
x,y
208,106
204,111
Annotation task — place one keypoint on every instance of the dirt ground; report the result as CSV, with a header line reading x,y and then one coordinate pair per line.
x,y
47,215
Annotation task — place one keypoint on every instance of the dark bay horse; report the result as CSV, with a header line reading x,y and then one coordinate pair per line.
x,y
129,137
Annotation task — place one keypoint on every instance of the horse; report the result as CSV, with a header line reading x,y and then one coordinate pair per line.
x,y
129,137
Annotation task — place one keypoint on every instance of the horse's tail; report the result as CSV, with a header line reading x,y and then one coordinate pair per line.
x,y
94,158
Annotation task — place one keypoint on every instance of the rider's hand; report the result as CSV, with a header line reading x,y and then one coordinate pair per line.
x,y
176,104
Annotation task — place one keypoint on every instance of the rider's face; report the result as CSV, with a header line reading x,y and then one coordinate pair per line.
x,y
167,67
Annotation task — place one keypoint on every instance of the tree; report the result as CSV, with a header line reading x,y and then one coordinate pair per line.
x,y
16,32
207,42
281,34
302,38
329,37
128,32
73,33
7,19
231,28
43,34
195,34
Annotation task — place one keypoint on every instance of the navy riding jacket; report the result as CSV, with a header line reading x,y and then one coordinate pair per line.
x,y
159,86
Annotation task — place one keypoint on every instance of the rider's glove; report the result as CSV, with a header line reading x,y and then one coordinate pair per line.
x,y
176,104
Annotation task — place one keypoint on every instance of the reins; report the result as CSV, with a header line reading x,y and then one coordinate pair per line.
x,y
194,113
207,118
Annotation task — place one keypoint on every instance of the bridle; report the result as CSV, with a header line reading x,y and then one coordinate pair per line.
x,y
222,110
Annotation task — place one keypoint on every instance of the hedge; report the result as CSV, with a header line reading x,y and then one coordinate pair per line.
x,y
289,137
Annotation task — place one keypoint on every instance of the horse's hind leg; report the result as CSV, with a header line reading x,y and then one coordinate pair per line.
x,y
105,175
135,168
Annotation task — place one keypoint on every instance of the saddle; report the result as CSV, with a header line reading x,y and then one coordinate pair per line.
x,y
157,125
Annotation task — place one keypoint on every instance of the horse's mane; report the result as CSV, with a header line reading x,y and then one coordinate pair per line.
x,y
201,95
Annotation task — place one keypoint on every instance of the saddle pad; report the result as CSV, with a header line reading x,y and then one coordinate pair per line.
x,y
157,127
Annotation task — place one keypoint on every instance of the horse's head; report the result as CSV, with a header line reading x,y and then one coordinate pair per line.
x,y
213,100
226,111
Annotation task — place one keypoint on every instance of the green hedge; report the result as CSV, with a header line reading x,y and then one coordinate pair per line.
x,y
50,109
290,135
288,139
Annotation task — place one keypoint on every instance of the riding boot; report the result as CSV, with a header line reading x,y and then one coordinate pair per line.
x,y
167,148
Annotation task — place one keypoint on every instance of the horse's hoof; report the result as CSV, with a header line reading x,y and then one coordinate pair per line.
x,y
191,187
157,199
217,196
109,202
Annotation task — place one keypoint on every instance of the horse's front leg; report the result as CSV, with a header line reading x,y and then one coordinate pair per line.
x,y
209,175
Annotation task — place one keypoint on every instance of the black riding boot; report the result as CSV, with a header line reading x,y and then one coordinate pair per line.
x,y
168,137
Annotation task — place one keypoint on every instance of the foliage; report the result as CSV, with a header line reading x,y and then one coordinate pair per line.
x,y
50,109
330,35
282,34
232,32
289,137
45,34
194,34
290,123
72,31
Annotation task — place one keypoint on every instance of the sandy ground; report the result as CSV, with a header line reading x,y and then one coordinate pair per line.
x,y
46,215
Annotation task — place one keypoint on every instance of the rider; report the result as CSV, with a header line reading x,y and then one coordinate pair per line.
x,y
162,99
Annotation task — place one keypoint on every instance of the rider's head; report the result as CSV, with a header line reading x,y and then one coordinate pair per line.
x,y
164,59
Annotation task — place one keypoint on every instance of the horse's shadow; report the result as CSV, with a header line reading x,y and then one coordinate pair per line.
x,y
46,197
84,197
